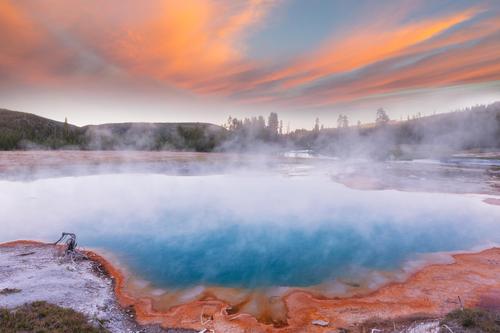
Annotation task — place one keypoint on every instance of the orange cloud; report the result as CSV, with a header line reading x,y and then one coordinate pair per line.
x,y
181,43
372,42
365,46
18,38
32,49
382,42
472,64
188,41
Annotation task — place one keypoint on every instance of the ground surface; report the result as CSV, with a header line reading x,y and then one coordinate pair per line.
x,y
30,273
33,272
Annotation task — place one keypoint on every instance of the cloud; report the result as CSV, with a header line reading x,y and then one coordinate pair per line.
x,y
172,41
37,51
187,43
471,63
18,39
377,58
201,46
371,44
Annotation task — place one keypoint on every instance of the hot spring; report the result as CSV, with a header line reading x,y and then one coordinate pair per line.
x,y
179,236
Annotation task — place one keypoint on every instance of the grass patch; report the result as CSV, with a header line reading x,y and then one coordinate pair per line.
x,y
42,317
473,320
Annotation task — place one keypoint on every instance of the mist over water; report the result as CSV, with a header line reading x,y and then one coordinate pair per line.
x,y
245,229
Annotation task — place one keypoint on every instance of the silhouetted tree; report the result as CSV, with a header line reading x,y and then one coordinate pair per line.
x,y
228,123
261,123
316,125
339,121
382,117
345,122
342,121
273,123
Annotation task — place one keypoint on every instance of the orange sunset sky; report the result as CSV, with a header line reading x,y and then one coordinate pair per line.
x,y
97,61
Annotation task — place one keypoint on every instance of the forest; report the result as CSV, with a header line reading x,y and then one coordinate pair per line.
x,y
19,130
476,127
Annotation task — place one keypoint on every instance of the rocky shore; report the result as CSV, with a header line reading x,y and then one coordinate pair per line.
x,y
33,271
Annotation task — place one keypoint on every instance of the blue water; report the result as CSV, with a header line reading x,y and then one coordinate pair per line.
x,y
250,256
245,230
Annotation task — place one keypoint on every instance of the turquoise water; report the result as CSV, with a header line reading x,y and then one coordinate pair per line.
x,y
245,230
249,256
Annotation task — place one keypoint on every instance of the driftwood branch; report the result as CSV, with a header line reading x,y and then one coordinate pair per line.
x,y
448,328
461,304
71,251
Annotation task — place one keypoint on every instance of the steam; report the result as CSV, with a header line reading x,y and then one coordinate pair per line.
x,y
432,136
246,227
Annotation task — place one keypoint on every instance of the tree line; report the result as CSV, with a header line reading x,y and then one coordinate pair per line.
x,y
475,127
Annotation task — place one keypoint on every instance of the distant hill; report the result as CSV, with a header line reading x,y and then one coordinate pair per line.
x,y
19,130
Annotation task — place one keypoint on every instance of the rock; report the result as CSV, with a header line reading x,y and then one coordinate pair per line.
x,y
319,322
8,291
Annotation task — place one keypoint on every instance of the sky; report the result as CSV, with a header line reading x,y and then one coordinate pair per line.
x,y
96,61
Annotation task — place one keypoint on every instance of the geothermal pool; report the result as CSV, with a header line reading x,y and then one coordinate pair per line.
x,y
246,230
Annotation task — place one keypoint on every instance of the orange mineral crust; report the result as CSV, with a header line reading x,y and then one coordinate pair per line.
x,y
21,242
432,291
